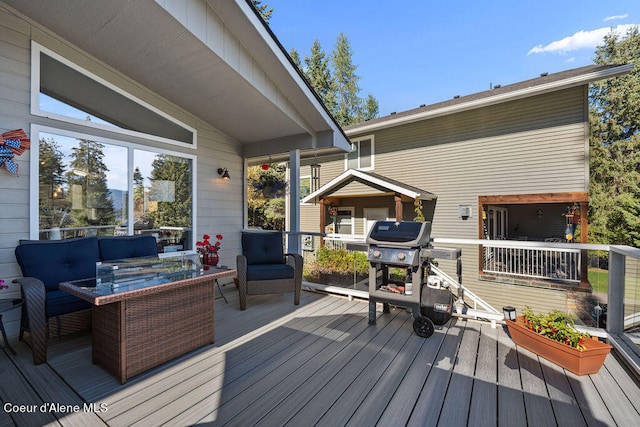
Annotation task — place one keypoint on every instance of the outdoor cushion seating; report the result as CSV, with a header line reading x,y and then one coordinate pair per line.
x,y
47,263
264,268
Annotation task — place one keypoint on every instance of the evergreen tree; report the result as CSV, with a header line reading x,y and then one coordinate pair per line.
x,y
319,75
264,10
614,115
138,194
53,203
371,108
295,57
177,210
345,81
91,199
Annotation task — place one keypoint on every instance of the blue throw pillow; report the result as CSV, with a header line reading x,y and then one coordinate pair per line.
x,y
123,247
56,261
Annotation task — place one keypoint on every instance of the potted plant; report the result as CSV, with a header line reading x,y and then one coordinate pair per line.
x,y
208,250
553,336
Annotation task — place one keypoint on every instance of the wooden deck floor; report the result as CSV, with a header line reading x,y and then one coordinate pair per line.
x,y
321,364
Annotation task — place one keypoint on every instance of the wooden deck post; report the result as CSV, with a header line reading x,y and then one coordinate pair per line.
x,y
399,213
323,220
584,238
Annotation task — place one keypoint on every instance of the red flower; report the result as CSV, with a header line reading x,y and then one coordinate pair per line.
x,y
205,246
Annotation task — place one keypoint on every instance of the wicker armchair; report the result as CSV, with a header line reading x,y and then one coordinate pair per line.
x,y
264,268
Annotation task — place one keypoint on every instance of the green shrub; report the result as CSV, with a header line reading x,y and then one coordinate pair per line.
x,y
339,261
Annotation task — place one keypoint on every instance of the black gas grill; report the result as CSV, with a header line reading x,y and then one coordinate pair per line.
x,y
406,245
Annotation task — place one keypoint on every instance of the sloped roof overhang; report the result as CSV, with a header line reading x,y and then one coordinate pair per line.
x,y
540,85
371,179
215,59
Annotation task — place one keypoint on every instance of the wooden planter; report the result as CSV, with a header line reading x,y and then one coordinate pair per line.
x,y
580,362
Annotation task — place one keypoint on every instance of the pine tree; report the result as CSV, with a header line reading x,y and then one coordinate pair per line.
x,y
264,10
295,57
53,203
91,199
174,209
319,75
614,116
345,82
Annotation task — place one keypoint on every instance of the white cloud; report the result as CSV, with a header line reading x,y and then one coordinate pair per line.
x,y
581,40
614,17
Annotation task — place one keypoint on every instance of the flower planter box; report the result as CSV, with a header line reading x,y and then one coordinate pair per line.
x,y
580,362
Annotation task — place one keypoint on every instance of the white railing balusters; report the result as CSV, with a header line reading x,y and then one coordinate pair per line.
x,y
561,263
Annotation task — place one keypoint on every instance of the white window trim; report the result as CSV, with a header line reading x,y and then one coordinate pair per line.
x,y
37,49
352,209
357,142
34,171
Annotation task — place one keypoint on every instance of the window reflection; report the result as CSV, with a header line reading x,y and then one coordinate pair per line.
x,y
162,199
84,191
83,187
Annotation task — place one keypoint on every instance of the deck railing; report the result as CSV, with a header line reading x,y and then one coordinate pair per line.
x,y
536,263
616,293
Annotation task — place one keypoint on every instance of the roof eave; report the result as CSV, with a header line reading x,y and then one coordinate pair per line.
x,y
496,99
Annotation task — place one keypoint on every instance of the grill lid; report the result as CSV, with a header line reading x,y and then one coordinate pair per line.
x,y
404,233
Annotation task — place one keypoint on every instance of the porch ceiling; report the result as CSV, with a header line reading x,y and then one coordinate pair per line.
x,y
381,183
147,43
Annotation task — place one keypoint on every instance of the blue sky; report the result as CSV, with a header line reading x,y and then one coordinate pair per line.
x,y
414,52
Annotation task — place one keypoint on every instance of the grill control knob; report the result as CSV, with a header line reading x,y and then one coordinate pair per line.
x,y
377,254
401,256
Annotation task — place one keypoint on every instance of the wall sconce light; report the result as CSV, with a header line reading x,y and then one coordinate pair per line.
x,y
224,173
509,313
539,213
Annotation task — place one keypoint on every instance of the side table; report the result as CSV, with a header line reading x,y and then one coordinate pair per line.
x,y
5,306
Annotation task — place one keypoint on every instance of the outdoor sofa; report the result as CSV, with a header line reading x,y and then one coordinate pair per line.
x,y
47,263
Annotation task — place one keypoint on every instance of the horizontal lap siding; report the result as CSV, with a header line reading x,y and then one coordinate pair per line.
x,y
14,110
535,145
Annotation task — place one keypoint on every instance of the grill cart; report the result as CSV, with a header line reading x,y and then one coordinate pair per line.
x,y
406,245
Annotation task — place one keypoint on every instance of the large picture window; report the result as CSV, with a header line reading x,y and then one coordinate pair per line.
x,y
91,186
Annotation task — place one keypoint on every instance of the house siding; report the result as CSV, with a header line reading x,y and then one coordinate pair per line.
x,y
218,201
527,146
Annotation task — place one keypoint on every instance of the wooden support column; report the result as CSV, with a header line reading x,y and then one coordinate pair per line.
x,y
323,220
584,238
399,213
480,237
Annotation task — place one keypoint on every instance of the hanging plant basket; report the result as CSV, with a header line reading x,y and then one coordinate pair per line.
x,y
580,362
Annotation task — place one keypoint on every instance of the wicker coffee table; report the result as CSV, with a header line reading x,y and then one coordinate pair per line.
x,y
138,327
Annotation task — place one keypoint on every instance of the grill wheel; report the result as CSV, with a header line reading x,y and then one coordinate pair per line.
x,y
423,326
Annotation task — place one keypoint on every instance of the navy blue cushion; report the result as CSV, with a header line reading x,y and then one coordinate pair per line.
x,y
122,247
56,261
263,248
60,302
269,272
